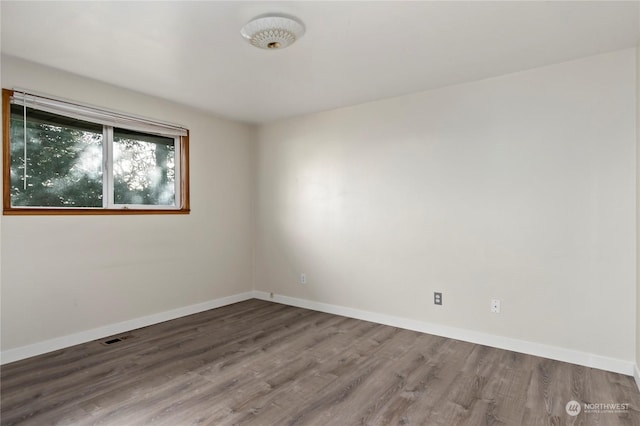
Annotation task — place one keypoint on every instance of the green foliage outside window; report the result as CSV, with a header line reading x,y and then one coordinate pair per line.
x,y
64,163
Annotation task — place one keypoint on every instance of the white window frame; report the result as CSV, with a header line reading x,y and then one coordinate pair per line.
x,y
109,120
108,197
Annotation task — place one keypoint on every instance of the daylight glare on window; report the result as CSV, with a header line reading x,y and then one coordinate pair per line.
x,y
143,168
64,156
63,166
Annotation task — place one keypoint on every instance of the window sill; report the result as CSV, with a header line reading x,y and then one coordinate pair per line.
x,y
87,212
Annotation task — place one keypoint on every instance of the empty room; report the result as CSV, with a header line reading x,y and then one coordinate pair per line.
x,y
320,213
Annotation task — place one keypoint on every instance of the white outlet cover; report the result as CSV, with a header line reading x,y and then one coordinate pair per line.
x,y
303,278
495,306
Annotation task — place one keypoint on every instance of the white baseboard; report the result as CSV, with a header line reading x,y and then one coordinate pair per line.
x,y
531,348
516,345
39,348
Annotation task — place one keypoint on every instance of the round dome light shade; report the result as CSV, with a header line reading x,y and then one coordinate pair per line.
x,y
273,32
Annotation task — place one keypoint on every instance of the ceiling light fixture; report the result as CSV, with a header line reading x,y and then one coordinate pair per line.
x,y
273,31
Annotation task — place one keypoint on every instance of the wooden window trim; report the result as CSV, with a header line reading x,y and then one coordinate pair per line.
x,y
43,211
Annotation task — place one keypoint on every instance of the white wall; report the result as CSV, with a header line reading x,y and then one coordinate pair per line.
x,y
520,188
63,275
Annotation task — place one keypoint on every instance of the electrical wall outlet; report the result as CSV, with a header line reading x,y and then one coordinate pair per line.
x,y
303,278
495,306
437,298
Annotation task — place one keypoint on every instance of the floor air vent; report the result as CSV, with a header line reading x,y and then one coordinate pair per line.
x,y
118,339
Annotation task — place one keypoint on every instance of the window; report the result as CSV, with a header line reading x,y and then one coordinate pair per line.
x,y
60,157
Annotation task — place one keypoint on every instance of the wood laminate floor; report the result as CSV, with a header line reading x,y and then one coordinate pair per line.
x,y
262,363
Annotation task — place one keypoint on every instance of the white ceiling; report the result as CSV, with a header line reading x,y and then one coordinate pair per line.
x,y
353,52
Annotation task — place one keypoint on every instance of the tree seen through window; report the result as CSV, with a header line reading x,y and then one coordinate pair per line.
x,y
64,163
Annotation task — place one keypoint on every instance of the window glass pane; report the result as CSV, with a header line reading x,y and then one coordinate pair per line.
x,y
63,160
143,168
